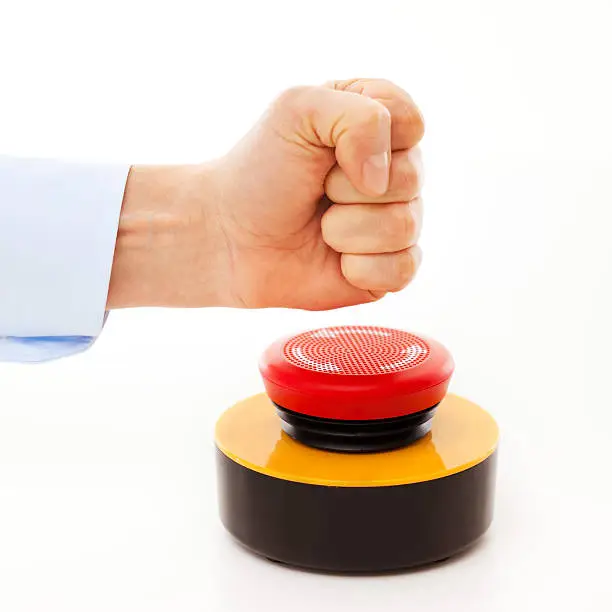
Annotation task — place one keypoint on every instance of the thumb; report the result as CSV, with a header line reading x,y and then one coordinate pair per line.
x,y
358,127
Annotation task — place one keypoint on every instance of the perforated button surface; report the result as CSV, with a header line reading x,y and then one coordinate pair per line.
x,y
353,350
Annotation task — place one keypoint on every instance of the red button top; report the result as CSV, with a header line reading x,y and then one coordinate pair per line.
x,y
356,373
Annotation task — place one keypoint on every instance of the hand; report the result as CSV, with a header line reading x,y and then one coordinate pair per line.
x,y
317,207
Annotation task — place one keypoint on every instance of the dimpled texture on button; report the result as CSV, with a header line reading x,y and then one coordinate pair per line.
x,y
354,350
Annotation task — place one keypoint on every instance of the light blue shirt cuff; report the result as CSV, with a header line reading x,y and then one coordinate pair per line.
x,y
58,228
37,350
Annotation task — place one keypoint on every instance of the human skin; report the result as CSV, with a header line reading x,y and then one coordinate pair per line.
x,y
317,207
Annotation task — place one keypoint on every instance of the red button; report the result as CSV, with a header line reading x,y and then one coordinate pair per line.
x,y
356,373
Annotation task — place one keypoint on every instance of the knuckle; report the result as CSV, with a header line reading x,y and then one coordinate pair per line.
x,y
402,224
415,212
386,84
404,270
418,123
354,85
374,113
410,118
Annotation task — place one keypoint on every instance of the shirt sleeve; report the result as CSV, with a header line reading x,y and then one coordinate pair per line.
x,y
58,228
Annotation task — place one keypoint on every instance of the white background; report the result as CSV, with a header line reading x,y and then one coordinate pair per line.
x,y
107,484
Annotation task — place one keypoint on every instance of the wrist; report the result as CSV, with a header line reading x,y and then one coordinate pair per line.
x,y
164,254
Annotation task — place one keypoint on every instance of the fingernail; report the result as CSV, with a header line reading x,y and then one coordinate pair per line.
x,y
376,173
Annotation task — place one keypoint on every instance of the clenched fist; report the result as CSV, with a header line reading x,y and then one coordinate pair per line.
x,y
317,207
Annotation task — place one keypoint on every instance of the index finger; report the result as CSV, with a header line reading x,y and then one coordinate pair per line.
x,y
407,125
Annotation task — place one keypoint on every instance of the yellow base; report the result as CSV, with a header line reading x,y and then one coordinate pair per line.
x,y
462,436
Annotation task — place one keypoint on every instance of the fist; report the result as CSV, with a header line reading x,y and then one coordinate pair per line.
x,y
317,207
320,202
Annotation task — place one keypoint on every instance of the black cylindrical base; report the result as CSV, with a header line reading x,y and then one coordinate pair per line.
x,y
356,529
